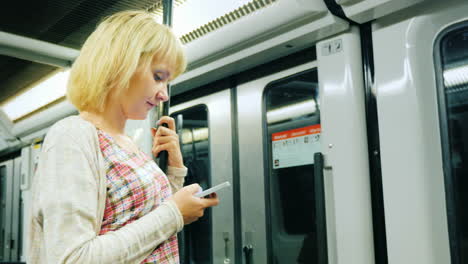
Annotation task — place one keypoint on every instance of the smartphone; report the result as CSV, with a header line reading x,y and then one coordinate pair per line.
x,y
212,189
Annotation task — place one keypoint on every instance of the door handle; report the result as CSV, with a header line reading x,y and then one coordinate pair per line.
x,y
248,249
227,260
8,241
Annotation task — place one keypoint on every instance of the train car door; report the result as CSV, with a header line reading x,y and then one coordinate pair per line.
x,y
204,127
294,208
421,60
10,211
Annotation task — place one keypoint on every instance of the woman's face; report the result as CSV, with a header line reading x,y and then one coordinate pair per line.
x,y
148,87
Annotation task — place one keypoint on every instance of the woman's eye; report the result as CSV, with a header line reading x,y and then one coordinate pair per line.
x,y
158,77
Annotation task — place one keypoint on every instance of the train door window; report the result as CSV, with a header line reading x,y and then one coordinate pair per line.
x,y
195,241
452,57
15,241
293,132
6,181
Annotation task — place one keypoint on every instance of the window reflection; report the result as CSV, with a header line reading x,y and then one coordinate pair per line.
x,y
454,57
293,133
195,241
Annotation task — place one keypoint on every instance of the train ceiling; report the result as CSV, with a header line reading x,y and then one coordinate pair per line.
x,y
64,22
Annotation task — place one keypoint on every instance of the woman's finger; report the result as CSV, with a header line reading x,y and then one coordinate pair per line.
x,y
161,139
164,147
164,131
169,121
209,202
165,139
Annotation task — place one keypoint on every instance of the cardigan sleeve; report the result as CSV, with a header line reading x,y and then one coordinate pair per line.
x,y
66,210
176,177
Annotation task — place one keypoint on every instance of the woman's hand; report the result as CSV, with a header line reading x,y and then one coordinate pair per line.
x,y
192,207
167,139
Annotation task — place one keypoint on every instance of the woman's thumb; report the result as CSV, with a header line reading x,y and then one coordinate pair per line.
x,y
194,188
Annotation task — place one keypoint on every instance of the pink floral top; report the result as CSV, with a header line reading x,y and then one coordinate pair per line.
x,y
135,187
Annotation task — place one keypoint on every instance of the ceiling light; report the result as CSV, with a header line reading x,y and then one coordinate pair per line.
x,y
38,96
192,14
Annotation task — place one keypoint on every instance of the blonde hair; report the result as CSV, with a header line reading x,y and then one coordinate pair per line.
x,y
118,47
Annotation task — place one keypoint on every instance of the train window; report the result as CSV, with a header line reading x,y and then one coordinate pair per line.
x,y
452,57
293,132
195,241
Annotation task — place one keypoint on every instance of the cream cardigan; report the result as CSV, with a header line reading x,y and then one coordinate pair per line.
x,y
68,201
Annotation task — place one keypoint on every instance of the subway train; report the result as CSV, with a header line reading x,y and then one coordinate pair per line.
x,y
342,125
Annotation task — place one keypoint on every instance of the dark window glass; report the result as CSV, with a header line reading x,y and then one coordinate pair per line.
x,y
293,132
195,240
453,100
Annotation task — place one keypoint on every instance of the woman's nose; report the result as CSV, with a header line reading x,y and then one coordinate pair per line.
x,y
162,94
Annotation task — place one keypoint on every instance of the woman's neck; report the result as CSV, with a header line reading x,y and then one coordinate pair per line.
x,y
109,120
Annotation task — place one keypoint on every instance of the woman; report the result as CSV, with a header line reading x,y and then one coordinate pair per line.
x,y
96,197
